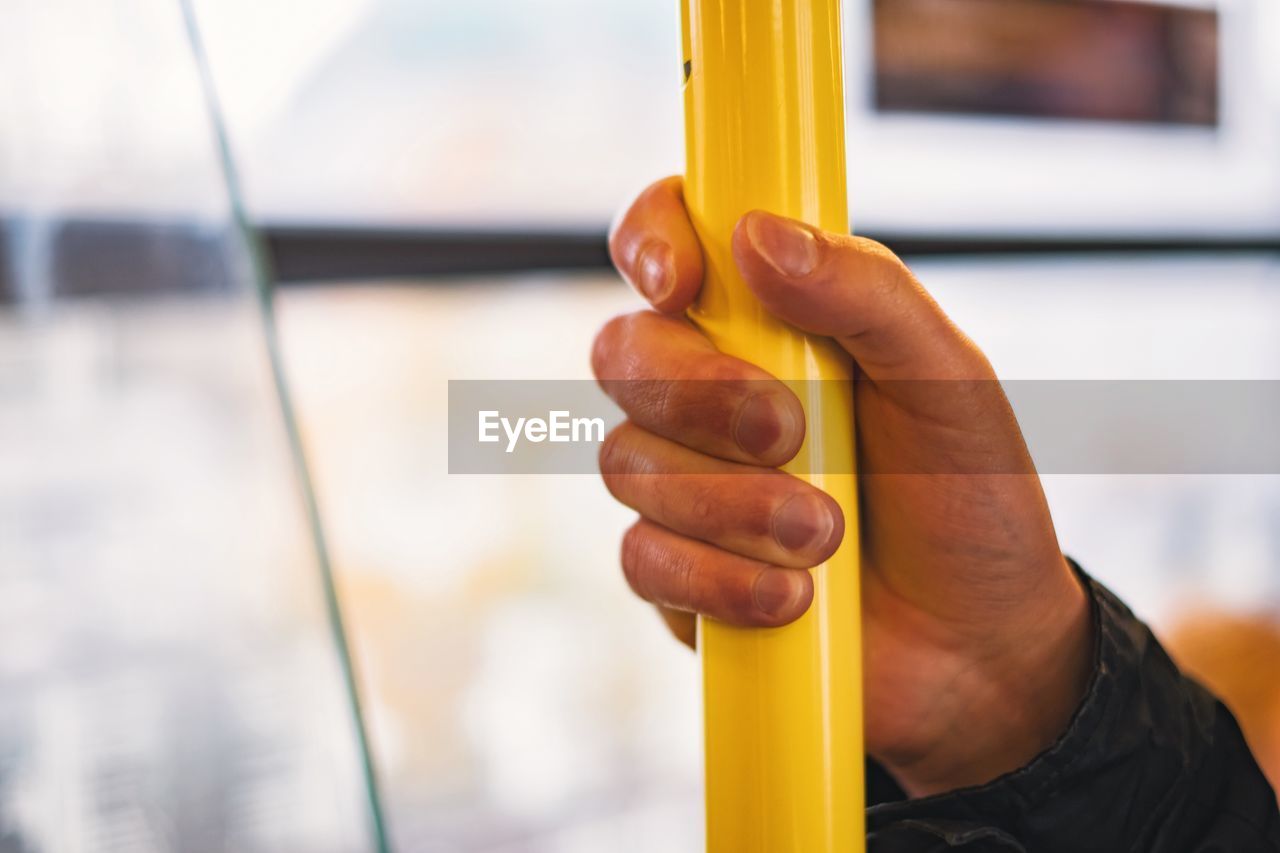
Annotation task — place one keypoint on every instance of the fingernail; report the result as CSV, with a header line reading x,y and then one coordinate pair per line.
x,y
775,591
803,523
655,271
761,426
789,248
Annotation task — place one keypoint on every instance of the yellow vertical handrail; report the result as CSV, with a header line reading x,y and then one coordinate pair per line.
x,y
764,128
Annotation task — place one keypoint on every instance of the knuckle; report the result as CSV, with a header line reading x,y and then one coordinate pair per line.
x,y
635,558
623,458
886,280
617,331
604,345
887,272
702,507
612,457
613,350
661,192
877,251
705,503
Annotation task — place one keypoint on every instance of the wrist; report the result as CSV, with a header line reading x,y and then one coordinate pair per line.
x,y
1010,702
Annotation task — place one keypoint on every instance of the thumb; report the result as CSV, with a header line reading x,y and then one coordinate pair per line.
x,y
856,291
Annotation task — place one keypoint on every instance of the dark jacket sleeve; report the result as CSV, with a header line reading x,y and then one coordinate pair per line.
x,y
1151,762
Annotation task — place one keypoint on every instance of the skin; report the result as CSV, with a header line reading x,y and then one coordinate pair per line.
x,y
976,630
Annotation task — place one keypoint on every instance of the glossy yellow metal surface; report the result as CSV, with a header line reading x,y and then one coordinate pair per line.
x,y
764,117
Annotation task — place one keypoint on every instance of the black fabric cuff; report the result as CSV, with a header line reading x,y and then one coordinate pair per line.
x,y
1150,761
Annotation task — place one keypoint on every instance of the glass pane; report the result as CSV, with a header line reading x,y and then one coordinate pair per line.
x,y
542,113
524,699
168,676
505,112
521,699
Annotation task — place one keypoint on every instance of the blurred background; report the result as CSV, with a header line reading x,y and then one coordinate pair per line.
x,y
1090,187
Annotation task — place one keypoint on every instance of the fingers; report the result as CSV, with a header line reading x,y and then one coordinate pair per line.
x,y
762,514
675,572
670,380
856,291
655,248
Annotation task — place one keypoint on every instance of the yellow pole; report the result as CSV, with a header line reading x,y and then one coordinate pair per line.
x,y
764,127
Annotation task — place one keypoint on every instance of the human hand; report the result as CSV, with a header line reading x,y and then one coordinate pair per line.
x,y
976,631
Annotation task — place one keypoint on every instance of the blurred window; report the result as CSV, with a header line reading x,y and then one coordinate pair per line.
x,y
548,114
1071,59
169,679
524,112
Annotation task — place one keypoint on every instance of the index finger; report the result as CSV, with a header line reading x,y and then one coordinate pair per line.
x,y
670,380
654,246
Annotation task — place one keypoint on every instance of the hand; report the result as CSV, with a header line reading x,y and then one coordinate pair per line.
x,y
976,630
